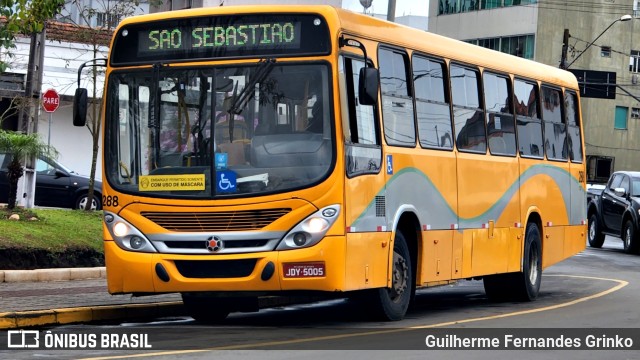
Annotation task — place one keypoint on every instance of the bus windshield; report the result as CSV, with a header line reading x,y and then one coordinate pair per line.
x,y
219,131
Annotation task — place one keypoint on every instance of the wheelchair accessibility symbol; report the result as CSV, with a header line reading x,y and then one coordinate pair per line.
x,y
389,164
226,181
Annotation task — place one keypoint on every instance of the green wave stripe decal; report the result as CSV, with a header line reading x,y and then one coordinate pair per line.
x,y
433,209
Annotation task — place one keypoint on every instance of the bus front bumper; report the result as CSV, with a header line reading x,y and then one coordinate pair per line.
x,y
317,268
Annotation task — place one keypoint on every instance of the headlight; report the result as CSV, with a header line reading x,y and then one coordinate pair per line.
x,y
310,230
126,235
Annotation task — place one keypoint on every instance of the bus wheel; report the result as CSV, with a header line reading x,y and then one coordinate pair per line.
x,y
205,309
596,238
521,286
629,238
528,281
392,303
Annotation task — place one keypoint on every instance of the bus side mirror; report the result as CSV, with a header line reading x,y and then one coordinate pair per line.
x,y
80,107
368,86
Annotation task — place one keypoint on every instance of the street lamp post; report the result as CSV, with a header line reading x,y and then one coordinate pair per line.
x,y
563,62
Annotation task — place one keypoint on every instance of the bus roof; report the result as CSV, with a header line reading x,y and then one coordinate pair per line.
x,y
395,34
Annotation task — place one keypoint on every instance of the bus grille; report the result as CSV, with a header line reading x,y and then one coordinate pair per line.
x,y
216,221
204,269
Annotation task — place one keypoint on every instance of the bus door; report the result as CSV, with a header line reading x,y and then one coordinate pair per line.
x,y
487,170
366,234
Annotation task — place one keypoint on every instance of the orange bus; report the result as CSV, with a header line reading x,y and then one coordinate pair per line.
x,y
287,150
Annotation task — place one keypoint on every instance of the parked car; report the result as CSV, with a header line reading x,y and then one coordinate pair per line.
x,y
56,186
614,210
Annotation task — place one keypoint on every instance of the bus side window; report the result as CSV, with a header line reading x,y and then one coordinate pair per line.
x,y
572,116
500,121
467,113
397,105
363,151
555,130
529,124
432,103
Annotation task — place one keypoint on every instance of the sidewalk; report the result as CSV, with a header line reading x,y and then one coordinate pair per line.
x,y
62,296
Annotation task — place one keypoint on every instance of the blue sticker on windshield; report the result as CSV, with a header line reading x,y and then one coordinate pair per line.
x,y
226,181
221,161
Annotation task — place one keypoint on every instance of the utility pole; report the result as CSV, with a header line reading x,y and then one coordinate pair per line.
x,y
28,122
565,47
391,10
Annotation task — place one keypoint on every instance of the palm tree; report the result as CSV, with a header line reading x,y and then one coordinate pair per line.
x,y
20,146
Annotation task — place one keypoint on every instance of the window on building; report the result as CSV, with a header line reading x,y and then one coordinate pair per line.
x,y
605,51
621,118
634,61
521,46
636,8
635,113
107,20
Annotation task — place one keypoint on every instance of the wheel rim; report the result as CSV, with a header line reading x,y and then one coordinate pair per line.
x,y
592,230
400,277
627,237
83,203
534,260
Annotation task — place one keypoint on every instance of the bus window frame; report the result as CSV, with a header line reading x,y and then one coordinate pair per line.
x,y
536,87
563,121
480,93
447,97
578,125
510,96
410,92
352,121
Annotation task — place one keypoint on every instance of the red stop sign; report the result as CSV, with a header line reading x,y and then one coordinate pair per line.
x,y
50,100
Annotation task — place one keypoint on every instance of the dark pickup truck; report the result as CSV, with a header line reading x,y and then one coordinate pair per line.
x,y
615,210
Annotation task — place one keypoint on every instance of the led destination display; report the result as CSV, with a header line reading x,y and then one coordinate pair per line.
x,y
221,37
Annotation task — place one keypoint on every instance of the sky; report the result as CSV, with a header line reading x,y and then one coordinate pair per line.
x,y
403,7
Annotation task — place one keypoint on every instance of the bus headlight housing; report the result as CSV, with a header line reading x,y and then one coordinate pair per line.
x,y
126,235
310,230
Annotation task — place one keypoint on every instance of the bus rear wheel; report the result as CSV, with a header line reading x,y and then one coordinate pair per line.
x,y
392,303
524,285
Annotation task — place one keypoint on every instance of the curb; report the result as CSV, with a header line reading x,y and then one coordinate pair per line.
x,y
52,274
25,319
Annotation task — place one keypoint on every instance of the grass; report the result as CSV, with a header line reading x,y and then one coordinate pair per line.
x,y
51,229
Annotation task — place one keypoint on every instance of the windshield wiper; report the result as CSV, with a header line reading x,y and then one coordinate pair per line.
x,y
262,71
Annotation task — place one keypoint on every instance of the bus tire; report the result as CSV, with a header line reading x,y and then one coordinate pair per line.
x,y
524,285
596,237
527,282
629,238
208,310
391,304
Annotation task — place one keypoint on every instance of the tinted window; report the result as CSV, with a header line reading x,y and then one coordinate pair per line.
x,y
500,120
529,126
555,131
625,184
572,115
616,181
397,105
432,105
467,114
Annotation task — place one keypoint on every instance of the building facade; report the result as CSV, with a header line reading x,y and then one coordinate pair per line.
x,y
607,70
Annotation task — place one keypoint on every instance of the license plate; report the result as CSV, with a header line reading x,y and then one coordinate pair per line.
x,y
302,270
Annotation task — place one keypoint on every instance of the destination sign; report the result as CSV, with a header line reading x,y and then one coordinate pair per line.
x,y
220,37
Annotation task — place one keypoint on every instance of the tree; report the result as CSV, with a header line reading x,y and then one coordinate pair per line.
x,y
23,17
108,14
20,146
